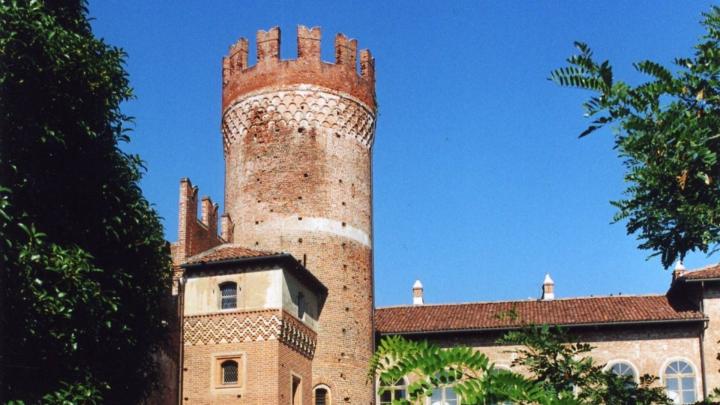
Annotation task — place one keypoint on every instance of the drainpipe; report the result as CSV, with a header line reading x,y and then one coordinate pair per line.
x,y
181,327
702,342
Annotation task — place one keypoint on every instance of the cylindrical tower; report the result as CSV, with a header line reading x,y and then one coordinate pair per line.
x,y
298,140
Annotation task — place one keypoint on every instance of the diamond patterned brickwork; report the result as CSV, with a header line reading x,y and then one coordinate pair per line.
x,y
236,327
274,112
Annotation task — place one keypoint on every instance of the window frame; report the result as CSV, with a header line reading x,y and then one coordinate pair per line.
x,y
328,394
696,381
223,365
443,394
635,373
240,358
393,389
221,298
296,395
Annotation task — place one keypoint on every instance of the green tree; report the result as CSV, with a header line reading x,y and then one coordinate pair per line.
x,y
667,130
85,268
563,365
558,368
467,371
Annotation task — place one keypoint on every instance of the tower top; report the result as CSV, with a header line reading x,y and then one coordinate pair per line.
x,y
239,78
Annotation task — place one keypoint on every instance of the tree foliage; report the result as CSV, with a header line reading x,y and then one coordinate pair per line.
x,y
85,268
563,366
667,130
469,372
558,370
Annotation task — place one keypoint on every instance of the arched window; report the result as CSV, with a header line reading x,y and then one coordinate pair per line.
x,y
228,295
623,369
229,369
393,392
679,380
444,396
322,395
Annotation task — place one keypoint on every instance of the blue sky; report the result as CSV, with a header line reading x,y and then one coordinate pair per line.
x,y
480,183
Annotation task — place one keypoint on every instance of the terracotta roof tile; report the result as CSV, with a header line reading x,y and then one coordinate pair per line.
x,y
709,272
227,251
574,311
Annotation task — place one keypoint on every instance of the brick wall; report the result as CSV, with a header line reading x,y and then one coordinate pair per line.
x,y
297,138
269,358
194,236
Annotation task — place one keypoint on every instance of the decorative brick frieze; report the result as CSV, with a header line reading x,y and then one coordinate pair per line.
x,y
298,336
256,326
300,108
231,327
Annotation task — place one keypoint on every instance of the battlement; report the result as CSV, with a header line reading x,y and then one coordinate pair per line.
x,y
195,236
239,78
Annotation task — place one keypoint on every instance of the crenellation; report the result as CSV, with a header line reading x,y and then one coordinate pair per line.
x,y
345,51
308,43
227,227
367,64
239,78
239,55
209,214
194,236
268,45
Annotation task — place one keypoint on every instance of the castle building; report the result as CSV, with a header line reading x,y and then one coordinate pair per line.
x,y
276,304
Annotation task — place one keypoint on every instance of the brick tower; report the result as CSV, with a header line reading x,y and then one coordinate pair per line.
x,y
298,138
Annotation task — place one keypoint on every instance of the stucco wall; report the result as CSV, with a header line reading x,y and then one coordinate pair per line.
x,y
257,290
648,349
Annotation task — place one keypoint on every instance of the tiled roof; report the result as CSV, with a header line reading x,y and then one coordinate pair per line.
x,y
227,251
569,312
709,272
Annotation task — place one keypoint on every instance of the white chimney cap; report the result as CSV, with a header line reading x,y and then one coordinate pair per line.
x,y
548,280
417,284
679,265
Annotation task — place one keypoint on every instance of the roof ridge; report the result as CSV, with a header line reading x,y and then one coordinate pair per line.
x,y
199,257
706,267
522,301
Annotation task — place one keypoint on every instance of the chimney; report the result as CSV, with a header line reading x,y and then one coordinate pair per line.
x,y
548,288
679,270
418,293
